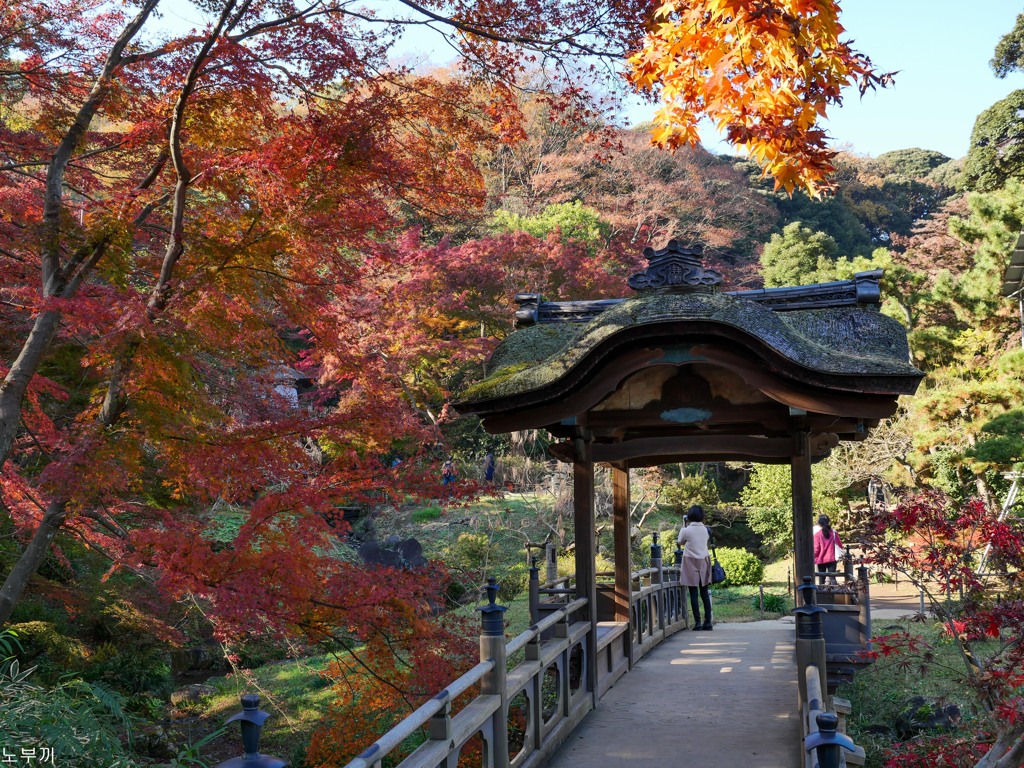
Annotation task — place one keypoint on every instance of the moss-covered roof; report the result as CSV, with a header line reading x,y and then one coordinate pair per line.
x,y
843,341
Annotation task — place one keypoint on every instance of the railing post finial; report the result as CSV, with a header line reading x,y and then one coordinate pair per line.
x,y
492,615
251,719
808,615
655,548
827,741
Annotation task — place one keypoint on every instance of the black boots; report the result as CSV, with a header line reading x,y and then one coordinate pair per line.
x,y
698,627
707,626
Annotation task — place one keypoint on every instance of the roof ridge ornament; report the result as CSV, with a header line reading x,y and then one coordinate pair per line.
x,y
675,266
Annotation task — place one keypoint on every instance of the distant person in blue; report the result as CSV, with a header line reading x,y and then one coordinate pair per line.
x,y
448,471
489,467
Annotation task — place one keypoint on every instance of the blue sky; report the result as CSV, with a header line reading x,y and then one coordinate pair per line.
x,y
941,49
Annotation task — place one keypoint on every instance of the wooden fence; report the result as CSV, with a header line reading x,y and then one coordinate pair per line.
x,y
522,715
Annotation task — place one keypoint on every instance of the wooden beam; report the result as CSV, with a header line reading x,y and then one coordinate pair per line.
x,y
803,508
713,412
623,550
651,451
695,446
585,550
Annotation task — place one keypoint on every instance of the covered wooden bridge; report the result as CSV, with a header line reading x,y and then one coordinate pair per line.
x,y
678,372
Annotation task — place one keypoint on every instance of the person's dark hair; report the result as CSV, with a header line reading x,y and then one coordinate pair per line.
x,y
825,523
695,514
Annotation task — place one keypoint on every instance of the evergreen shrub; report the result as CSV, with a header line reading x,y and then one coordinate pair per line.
x,y
742,568
567,564
512,582
81,722
132,670
690,490
773,603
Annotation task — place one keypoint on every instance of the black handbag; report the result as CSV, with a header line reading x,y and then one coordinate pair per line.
x,y
717,571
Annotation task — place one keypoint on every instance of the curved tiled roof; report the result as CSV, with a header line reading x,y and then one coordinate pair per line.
x,y
837,345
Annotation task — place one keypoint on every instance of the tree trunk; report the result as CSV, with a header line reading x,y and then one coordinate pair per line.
x,y
14,386
31,558
1007,752
57,280
985,492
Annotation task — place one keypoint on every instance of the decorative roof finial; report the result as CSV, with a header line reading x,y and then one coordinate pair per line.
x,y
675,266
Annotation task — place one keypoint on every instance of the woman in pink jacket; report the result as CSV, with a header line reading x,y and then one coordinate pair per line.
x,y
825,542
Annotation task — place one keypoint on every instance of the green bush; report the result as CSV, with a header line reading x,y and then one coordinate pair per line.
x,y
426,514
513,581
567,564
133,670
775,527
742,568
472,552
773,603
46,646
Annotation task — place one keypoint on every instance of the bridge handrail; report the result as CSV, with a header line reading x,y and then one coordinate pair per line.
x,y
419,717
492,676
822,730
560,581
643,572
548,587
521,640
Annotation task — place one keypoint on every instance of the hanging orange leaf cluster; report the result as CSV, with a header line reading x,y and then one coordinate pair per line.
x,y
764,71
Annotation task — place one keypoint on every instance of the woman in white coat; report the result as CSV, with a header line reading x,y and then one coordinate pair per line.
x,y
695,570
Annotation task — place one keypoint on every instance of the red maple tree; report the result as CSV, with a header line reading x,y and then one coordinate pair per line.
x,y
939,546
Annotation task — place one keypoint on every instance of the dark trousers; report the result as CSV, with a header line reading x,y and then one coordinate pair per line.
x,y
705,597
830,568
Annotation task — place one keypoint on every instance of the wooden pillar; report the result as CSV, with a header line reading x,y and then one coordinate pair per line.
x,y
623,561
803,508
586,578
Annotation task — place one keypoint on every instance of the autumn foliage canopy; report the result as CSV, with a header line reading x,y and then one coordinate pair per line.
x,y
764,71
945,549
192,222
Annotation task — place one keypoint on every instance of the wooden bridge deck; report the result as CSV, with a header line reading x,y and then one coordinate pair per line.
x,y
699,700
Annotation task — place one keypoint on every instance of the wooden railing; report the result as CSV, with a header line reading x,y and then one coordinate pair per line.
x,y
823,736
524,714
826,744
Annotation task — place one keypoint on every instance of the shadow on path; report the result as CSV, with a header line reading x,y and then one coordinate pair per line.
x,y
700,699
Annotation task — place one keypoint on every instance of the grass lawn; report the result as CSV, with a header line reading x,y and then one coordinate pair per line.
x,y
733,604
295,692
